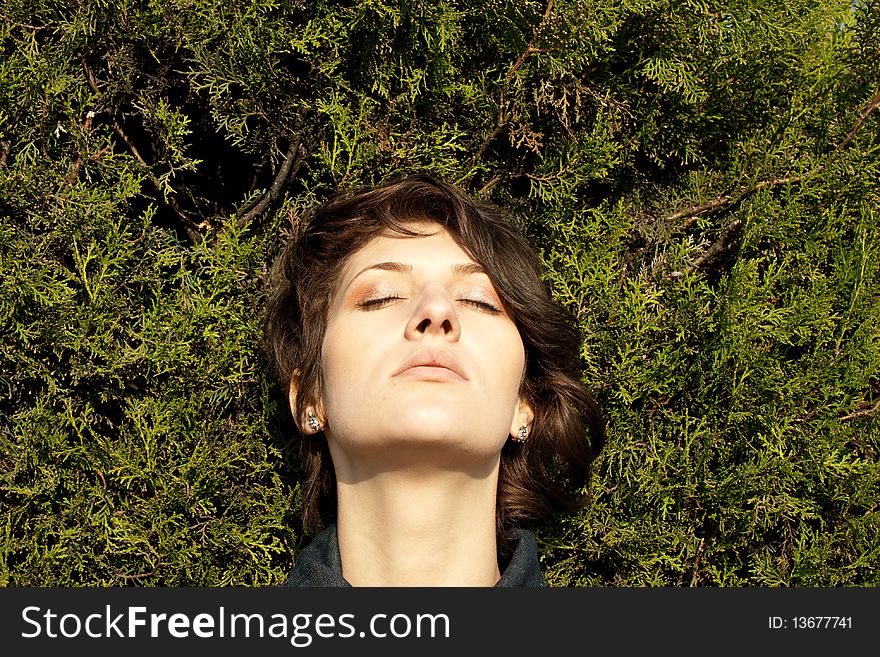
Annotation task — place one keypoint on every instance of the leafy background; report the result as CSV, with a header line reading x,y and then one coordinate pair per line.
x,y
702,180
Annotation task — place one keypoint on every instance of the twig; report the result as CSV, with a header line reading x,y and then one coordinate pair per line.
x,y
555,176
74,170
502,101
867,412
77,164
293,159
43,116
692,213
97,154
189,226
697,210
489,185
27,26
719,245
4,153
697,561
498,177
872,105
138,576
89,76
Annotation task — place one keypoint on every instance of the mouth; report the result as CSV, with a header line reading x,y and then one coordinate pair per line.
x,y
432,365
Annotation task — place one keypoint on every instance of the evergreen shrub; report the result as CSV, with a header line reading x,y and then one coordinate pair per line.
x,y
701,178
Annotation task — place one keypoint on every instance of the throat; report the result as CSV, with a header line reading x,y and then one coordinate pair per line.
x,y
393,531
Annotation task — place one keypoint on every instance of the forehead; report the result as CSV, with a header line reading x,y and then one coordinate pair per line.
x,y
433,247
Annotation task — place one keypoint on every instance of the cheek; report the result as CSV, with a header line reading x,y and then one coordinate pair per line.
x,y
514,374
347,361
333,351
333,355
504,355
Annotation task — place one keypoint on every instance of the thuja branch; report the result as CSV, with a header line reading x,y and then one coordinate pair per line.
x,y
697,558
692,213
189,226
728,236
25,26
73,174
293,159
873,104
863,412
724,242
530,48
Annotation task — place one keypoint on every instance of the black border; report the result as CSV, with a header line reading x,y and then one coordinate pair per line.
x,y
514,621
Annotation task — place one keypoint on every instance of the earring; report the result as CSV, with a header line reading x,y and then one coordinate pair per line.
x,y
522,434
313,422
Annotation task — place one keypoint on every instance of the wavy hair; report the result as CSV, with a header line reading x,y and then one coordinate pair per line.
x,y
539,478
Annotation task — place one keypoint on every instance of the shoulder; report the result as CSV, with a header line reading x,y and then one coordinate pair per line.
x,y
319,563
523,569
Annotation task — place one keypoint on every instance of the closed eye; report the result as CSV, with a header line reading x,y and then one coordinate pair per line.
x,y
485,306
376,304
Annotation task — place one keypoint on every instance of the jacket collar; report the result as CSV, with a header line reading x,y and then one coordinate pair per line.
x,y
319,563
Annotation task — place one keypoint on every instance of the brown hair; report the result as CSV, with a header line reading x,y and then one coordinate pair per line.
x,y
538,478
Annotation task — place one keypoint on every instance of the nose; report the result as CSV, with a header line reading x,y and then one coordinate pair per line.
x,y
433,313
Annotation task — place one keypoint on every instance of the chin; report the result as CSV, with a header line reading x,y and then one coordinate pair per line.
x,y
450,437
424,425
423,449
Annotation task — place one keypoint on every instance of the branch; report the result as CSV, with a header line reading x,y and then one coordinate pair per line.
x,y
731,198
489,185
74,170
554,176
722,243
703,208
190,227
43,116
77,165
4,153
872,105
719,245
697,558
138,576
27,26
502,101
293,159
867,412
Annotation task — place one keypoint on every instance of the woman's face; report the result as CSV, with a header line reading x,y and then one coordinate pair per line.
x,y
419,354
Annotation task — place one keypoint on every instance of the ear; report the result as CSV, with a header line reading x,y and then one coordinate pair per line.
x,y
291,393
524,415
302,422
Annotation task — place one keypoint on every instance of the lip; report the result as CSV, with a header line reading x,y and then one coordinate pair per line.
x,y
432,365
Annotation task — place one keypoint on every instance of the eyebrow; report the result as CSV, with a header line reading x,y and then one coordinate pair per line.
x,y
468,269
386,266
462,269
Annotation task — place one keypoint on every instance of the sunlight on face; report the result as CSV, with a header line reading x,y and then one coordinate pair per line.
x,y
419,354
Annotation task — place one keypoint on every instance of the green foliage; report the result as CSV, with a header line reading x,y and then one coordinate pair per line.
x,y
700,178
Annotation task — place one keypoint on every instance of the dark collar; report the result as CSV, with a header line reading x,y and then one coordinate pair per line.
x,y
319,564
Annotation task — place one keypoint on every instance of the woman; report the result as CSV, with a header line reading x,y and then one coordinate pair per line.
x,y
435,385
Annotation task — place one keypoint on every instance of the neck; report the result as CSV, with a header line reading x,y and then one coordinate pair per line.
x,y
418,528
